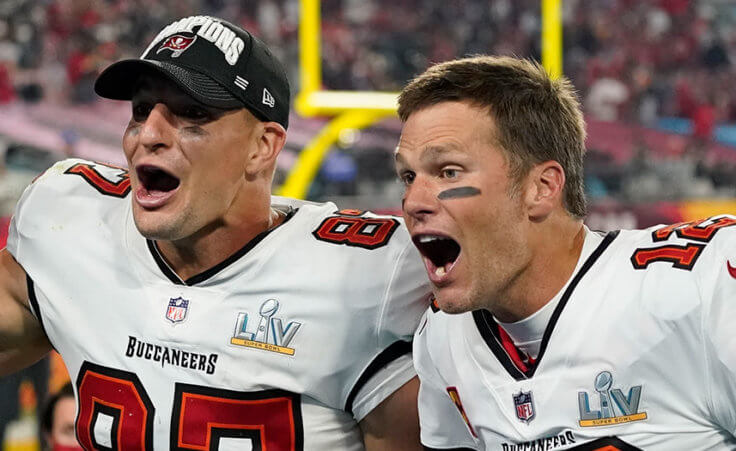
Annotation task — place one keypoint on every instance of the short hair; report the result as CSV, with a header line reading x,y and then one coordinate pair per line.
x,y
537,119
47,416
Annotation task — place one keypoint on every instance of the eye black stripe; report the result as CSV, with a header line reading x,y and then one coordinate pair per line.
x,y
462,191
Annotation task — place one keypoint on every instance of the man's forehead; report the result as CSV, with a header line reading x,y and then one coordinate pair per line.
x,y
445,127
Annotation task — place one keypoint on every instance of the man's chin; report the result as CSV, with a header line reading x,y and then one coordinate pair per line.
x,y
154,225
452,301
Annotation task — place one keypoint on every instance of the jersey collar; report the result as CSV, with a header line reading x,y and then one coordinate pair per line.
x,y
207,274
510,357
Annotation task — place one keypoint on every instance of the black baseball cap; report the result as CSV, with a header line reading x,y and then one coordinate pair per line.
x,y
214,61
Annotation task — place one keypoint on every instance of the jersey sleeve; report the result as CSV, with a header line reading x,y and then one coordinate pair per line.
x,y
718,292
404,300
49,208
440,421
53,193
16,230
26,222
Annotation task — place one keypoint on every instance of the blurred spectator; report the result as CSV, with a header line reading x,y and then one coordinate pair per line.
x,y
9,54
7,92
57,421
339,172
82,69
632,62
628,59
704,121
70,138
606,98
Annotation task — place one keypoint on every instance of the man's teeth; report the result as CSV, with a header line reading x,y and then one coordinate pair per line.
x,y
428,239
440,271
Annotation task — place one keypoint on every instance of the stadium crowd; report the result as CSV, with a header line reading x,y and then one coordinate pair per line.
x,y
632,62
613,49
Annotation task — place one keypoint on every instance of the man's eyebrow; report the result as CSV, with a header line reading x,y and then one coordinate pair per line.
x,y
428,154
435,152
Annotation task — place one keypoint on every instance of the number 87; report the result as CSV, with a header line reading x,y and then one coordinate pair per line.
x,y
116,413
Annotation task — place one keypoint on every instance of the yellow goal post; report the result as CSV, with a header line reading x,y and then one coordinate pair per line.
x,y
360,109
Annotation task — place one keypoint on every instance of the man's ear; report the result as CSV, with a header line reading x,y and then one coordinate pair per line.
x,y
545,189
269,138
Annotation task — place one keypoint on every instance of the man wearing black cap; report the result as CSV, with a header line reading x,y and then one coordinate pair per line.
x,y
192,309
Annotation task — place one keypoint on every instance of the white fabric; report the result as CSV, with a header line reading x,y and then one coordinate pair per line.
x,y
103,301
664,335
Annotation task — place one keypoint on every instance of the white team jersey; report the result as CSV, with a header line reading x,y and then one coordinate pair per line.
x,y
640,353
285,345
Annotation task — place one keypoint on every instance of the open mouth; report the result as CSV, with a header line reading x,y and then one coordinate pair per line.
x,y
154,179
441,251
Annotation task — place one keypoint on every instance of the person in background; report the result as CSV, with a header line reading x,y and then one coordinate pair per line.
x,y
57,421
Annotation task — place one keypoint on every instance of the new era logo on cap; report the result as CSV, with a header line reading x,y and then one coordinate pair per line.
x,y
268,98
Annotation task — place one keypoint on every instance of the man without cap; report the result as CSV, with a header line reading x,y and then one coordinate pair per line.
x,y
545,335
192,309
57,421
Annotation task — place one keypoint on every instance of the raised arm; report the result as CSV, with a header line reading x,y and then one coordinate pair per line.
x,y
22,339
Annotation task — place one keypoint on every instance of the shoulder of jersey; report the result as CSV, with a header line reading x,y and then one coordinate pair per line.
x,y
88,179
636,237
721,247
721,231
684,251
71,192
350,228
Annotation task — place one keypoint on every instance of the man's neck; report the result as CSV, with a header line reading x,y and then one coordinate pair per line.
x,y
556,248
216,242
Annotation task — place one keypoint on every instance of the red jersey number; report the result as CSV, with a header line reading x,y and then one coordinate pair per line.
x,y
203,416
681,257
108,180
115,412
352,229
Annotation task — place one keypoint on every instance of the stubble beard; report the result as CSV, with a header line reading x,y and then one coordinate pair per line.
x,y
495,281
164,228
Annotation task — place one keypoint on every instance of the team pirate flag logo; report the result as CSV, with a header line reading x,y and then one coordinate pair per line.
x,y
177,310
177,44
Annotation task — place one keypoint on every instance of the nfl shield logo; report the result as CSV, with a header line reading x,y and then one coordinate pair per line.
x,y
524,406
177,310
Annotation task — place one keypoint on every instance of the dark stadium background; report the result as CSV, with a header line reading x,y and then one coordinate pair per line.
x,y
655,79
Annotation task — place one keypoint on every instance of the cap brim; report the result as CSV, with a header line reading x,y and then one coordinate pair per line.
x,y
119,81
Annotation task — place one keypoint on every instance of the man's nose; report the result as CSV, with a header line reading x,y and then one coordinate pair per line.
x,y
420,200
156,131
